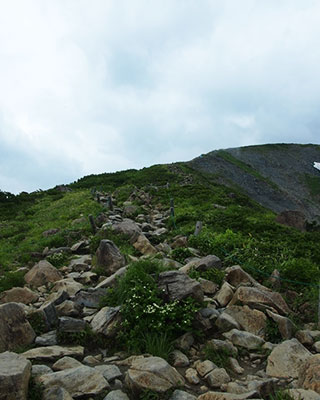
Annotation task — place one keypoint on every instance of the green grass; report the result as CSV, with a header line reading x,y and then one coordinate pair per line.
x,y
313,184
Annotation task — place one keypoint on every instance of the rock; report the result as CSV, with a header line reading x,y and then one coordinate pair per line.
x,y
250,320
222,345
116,395
107,321
252,296
68,285
179,359
109,257
299,394
18,295
15,330
110,372
192,376
50,232
234,365
152,373
228,396
208,287
69,324
185,341
179,241
68,308
307,337
80,246
225,294
66,363
129,228
204,367
56,393
295,219
203,264
217,377
52,353
81,263
112,279
310,374
40,369
286,359
89,298
47,339
226,322
235,275
177,285
181,395
316,346
143,245
244,339
15,372
285,325
42,274
79,381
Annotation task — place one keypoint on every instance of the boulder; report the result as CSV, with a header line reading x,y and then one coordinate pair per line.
x,y
204,367
81,263
225,294
182,395
110,372
109,257
226,322
89,298
285,325
112,279
143,245
203,264
47,339
15,372
217,377
286,359
116,395
177,285
107,321
69,324
192,376
129,228
15,330
299,394
68,285
42,274
18,295
69,309
310,374
208,287
179,359
56,393
250,320
152,373
255,297
244,339
40,369
79,381
66,363
52,353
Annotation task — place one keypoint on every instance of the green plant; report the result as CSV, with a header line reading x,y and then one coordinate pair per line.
x,y
11,279
180,254
219,357
213,274
272,332
35,390
281,395
158,344
58,259
86,338
38,323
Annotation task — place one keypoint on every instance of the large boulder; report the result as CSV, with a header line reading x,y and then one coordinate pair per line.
x,y
52,353
177,285
15,330
109,257
56,393
79,381
143,245
15,373
18,295
203,264
253,321
42,274
225,294
107,321
286,359
244,339
127,227
310,374
255,297
299,394
152,373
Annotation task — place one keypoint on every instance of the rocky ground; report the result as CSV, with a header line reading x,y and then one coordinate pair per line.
x,y
234,322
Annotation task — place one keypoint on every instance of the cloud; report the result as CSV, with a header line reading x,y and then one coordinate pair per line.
x,y
89,87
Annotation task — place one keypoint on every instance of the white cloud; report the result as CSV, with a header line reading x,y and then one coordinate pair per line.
x,y
106,85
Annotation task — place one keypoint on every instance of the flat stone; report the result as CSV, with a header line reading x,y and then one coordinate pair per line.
x,y
66,363
15,372
69,324
228,396
68,285
250,320
244,339
182,395
18,295
107,321
116,395
51,353
40,369
89,298
299,394
112,279
79,381
47,339
110,372
204,367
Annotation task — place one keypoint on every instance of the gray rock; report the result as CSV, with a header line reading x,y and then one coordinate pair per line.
x,y
229,396
285,325
15,330
110,372
127,227
116,395
89,298
107,321
298,394
79,381
179,359
152,373
68,308
40,369
109,257
81,263
182,395
143,245
69,324
191,376
286,359
226,322
15,372
177,285
253,321
56,393
204,367
68,285
52,353
112,279
47,339
18,295
244,339
42,274
66,363
225,294
217,377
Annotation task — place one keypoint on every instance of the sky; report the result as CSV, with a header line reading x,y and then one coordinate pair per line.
x,y
92,86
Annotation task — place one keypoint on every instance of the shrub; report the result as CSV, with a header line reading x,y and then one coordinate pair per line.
x,y
272,332
11,279
213,274
180,254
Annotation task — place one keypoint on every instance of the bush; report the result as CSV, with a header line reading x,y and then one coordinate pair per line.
x,y
213,274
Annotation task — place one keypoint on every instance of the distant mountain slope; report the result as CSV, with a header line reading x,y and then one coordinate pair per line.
x,y
278,176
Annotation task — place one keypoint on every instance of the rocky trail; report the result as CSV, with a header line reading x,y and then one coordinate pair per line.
x,y
66,302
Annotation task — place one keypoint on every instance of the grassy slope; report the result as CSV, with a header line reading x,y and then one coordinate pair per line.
x,y
242,232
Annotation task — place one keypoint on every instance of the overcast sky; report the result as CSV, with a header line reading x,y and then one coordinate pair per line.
x,y
91,86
